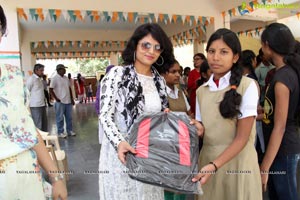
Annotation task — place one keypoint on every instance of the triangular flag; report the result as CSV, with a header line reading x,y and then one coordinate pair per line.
x,y
57,14
114,17
71,15
32,13
21,13
120,15
52,13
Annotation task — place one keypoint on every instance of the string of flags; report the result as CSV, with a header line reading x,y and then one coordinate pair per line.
x,y
187,37
182,38
251,32
61,55
53,15
78,44
253,5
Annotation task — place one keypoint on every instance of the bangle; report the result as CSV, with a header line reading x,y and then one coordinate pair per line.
x,y
212,163
57,178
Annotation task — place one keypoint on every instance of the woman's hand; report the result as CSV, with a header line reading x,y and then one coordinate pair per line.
x,y
264,173
199,126
59,190
123,148
204,174
167,110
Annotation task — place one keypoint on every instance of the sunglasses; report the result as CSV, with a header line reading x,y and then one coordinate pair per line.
x,y
148,46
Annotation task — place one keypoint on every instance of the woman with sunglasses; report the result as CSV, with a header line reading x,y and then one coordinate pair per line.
x,y
126,93
22,149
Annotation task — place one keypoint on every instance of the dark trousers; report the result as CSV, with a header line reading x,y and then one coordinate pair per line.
x,y
282,183
47,97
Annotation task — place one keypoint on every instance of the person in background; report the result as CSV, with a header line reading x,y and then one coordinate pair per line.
x,y
205,73
22,149
177,100
281,104
37,97
261,72
90,92
46,93
193,77
61,91
248,62
184,78
177,103
71,81
79,86
227,107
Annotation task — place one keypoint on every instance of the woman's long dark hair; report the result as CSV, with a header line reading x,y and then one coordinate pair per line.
x,y
281,40
158,34
2,21
246,62
229,107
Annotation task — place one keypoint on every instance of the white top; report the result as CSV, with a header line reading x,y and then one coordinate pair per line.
x,y
36,89
248,105
61,88
152,99
174,95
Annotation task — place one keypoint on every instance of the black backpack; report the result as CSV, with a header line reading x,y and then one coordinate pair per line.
x,y
167,152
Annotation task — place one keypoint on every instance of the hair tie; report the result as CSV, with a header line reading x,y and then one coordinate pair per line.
x,y
233,87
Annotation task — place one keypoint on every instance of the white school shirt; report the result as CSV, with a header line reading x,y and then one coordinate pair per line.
x,y
248,105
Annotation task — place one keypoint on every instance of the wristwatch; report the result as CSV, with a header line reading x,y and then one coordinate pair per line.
x,y
57,178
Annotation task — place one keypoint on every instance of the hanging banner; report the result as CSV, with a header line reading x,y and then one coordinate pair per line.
x,y
251,32
39,14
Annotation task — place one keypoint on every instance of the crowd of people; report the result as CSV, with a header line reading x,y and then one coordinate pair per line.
x,y
244,107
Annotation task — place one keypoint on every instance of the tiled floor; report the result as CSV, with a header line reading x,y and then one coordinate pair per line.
x,y
82,150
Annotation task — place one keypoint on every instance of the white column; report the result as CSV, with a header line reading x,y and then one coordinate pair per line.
x,y
28,60
113,59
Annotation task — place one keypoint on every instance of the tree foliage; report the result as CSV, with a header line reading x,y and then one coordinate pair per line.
x,y
89,67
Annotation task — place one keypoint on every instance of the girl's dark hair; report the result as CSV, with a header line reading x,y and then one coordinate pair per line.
x,y
79,78
203,69
2,21
246,62
201,55
158,34
166,68
281,40
229,107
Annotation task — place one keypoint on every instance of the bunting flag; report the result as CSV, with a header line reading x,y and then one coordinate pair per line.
x,y
39,14
242,9
78,44
21,13
72,55
251,32
188,37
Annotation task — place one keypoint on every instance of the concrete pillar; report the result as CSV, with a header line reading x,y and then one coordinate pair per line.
x,y
10,45
28,60
113,59
227,21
